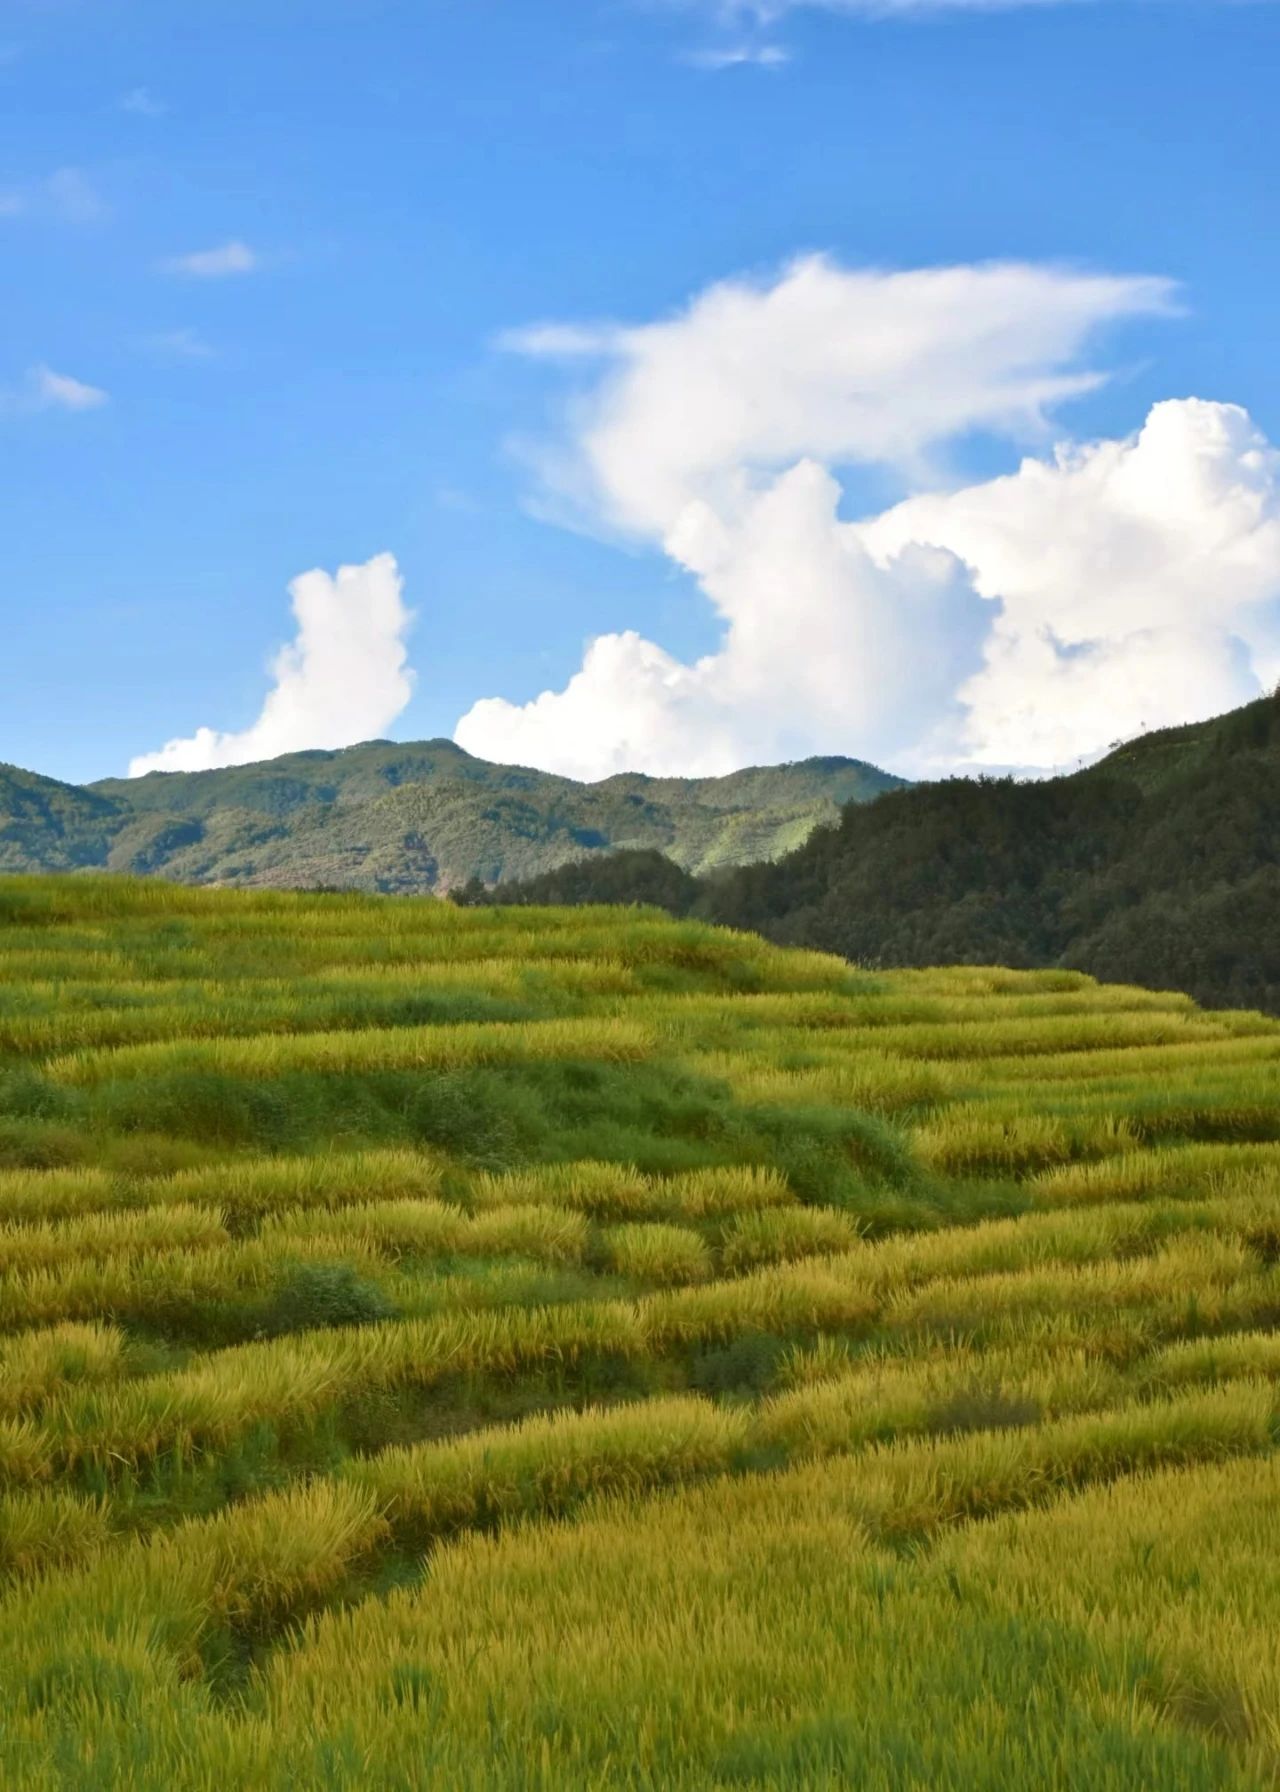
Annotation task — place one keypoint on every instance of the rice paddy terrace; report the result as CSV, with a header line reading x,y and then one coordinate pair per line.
x,y
542,1349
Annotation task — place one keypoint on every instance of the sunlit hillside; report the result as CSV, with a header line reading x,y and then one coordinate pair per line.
x,y
409,818
540,1348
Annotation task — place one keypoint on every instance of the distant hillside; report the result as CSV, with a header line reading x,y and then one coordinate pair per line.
x,y
424,816
47,826
1160,865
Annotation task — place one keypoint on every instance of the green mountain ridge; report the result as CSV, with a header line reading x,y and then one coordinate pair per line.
x,y
1159,865
410,817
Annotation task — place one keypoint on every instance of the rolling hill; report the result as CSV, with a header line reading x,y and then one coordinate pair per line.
x,y
1159,865
409,818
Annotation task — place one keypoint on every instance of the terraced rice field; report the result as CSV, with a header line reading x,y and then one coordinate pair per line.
x,y
503,1348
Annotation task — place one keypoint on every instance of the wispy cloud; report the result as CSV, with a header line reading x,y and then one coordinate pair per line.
x,y
220,263
67,195
763,13
738,56
560,342
142,103
453,498
48,390
180,345
72,195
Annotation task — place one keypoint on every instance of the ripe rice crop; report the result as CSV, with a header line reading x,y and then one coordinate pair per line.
x,y
41,1245
617,1190
948,1282
653,1252
36,1365
1182,1169
248,1190
495,1348
52,1194
432,1229
157,1288
865,1079
783,1234
1253,1044
391,1048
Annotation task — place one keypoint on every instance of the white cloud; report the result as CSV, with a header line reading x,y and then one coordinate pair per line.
x,y
1132,583
142,103
762,14
58,391
67,195
769,12
822,651
72,195
841,365
181,345
738,56
215,264
716,435
343,678
561,342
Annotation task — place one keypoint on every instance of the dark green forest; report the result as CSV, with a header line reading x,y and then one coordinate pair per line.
x,y
1160,866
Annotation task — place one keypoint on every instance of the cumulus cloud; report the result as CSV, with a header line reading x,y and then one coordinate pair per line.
x,y
215,264
821,650
1132,583
1022,622
343,678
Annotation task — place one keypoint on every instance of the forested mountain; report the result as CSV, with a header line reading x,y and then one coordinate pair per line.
x,y
1159,865
427,816
47,826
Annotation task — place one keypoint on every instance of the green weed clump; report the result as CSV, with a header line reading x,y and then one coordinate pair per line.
x,y
531,1348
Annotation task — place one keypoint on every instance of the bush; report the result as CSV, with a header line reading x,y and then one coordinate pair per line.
x,y
982,1408
464,1114
38,1145
319,1296
747,1365
27,1095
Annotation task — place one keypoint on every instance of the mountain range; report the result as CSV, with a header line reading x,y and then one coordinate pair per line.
x,y
425,816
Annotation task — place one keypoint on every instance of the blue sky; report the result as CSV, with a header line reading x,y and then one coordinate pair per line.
x,y
408,182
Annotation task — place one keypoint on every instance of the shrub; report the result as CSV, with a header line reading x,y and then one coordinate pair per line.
x,y
317,1296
